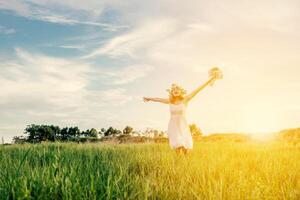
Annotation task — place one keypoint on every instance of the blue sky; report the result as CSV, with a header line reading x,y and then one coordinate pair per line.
x,y
89,63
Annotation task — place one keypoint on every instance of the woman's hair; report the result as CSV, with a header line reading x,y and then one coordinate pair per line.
x,y
172,98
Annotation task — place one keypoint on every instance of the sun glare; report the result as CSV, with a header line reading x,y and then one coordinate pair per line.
x,y
259,122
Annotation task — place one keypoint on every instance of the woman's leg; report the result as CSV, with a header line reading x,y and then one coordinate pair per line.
x,y
179,149
184,150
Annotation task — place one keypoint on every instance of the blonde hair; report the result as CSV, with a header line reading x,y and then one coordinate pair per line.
x,y
172,98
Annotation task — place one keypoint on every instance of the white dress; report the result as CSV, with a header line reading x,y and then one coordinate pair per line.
x,y
178,129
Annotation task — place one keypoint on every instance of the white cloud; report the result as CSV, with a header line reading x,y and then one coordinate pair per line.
x,y
72,47
6,31
160,42
37,76
132,43
17,6
127,74
40,89
201,33
60,12
56,81
60,19
280,16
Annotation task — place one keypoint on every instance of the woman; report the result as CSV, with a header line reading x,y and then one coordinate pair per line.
x,y
179,134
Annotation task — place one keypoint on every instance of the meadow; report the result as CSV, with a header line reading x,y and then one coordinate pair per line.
x,y
213,170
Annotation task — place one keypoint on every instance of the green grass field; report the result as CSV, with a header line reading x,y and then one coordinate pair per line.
x,y
214,170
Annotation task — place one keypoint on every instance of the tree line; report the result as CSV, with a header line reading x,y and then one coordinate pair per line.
x,y
38,133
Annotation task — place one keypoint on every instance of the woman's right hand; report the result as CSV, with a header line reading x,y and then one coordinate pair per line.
x,y
146,99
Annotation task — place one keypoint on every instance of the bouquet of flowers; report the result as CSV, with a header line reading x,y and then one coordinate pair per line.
x,y
215,73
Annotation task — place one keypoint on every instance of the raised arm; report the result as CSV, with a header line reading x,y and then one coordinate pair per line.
x,y
160,100
196,91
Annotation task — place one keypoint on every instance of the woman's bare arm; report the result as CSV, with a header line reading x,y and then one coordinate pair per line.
x,y
196,91
160,100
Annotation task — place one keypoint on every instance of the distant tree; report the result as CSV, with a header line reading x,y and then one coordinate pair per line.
x,y
85,133
70,133
19,139
158,133
150,132
118,132
64,134
93,133
53,131
33,133
90,133
74,132
127,130
39,133
109,131
102,130
136,133
112,132
195,131
161,134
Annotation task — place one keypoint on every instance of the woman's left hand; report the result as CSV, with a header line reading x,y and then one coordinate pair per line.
x,y
212,81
